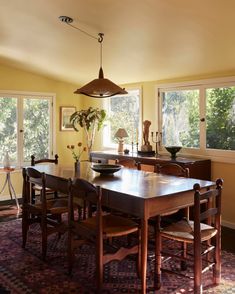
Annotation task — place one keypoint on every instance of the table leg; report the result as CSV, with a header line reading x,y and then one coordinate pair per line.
x,y
144,250
157,278
12,191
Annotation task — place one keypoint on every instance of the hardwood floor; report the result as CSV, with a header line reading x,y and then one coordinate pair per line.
x,y
9,212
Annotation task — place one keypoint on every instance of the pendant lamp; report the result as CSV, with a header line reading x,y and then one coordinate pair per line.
x,y
100,87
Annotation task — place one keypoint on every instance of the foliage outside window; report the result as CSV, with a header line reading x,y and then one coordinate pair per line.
x,y
180,113
25,127
220,118
199,116
123,111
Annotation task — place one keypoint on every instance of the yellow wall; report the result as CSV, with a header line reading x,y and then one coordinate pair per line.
x,y
18,80
13,79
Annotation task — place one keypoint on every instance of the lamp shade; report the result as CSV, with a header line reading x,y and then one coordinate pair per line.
x,y
101,88
121,133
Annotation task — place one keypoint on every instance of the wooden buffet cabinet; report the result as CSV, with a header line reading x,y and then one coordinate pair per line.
x,y
199,168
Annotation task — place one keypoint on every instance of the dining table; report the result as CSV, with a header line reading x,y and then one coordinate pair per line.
x,y
135,192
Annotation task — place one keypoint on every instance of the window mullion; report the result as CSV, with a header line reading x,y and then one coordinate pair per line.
x,y
202,118
20,130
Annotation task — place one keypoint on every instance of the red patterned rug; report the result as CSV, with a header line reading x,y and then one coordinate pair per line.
x,y
22,270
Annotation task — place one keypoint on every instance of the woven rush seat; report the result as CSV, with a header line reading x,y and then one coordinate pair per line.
x,y
183,231
54,206
113,226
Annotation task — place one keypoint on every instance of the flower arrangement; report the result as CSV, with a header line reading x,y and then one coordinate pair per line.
x,y
77,155
91,120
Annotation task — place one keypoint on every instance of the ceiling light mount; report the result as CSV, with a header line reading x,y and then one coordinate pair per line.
x,y
65,19
101,87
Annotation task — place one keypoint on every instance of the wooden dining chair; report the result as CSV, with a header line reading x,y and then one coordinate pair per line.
x,y
166,218
37,188
45,212
127,162
167,169
98,228
205,225
44,160
177,170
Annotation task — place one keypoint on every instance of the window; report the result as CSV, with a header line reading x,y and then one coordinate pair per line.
x,y
200,116
25,126
123,111
180,118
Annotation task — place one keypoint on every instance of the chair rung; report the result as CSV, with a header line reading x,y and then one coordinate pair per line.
x,y
209,249
205,269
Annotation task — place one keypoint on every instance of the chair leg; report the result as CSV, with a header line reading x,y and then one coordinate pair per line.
x,y
44,237
197,267
183,264
70,252
25,228
217,267
139,255
99,258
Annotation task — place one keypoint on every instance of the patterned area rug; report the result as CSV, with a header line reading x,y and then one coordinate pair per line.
x,y
22,270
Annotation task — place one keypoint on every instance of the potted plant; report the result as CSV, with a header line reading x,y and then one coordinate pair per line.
x,y
91,120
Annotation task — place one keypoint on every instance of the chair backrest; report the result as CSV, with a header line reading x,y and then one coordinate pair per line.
x,y
173,169
146,167
85,191
57,184
44,160
32,177
128,163
213,207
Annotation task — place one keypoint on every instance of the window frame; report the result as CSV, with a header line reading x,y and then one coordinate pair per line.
x,y
20,95
106,106
202,85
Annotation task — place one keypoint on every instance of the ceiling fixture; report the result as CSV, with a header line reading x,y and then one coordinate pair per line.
x,y
101,87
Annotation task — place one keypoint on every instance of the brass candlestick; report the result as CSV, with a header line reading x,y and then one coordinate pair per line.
x,y
157,140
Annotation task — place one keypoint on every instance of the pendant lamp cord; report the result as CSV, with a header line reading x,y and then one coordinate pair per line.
x,y
100,40
82,31
68,20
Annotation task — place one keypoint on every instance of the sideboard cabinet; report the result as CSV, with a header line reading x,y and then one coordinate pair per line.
x,y
199,168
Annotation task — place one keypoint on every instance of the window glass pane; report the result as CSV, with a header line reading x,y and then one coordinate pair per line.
x,y
36,128
220,118
124,112
8,127
180,118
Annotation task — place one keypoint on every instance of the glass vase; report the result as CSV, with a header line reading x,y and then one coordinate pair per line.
x,y
77,167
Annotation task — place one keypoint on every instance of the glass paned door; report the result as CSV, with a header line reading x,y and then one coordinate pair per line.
x,y
8,128
36,128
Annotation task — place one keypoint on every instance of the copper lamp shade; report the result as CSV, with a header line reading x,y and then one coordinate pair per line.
x,y
100,88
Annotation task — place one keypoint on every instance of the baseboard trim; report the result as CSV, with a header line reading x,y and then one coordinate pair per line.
x,y
228,225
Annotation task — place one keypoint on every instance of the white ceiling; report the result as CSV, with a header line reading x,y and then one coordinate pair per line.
x,y
144,39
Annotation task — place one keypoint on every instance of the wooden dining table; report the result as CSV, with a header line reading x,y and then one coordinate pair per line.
x,y
135,192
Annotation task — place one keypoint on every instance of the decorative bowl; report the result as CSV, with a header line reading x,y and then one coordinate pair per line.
x,y
173,150
106,168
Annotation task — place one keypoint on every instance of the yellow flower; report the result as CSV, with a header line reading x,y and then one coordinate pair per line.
x,y
76,155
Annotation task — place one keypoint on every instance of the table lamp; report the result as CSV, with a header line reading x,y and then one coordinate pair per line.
x,y
120,134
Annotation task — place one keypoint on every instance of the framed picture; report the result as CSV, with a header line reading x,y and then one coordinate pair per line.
x,y
65,113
